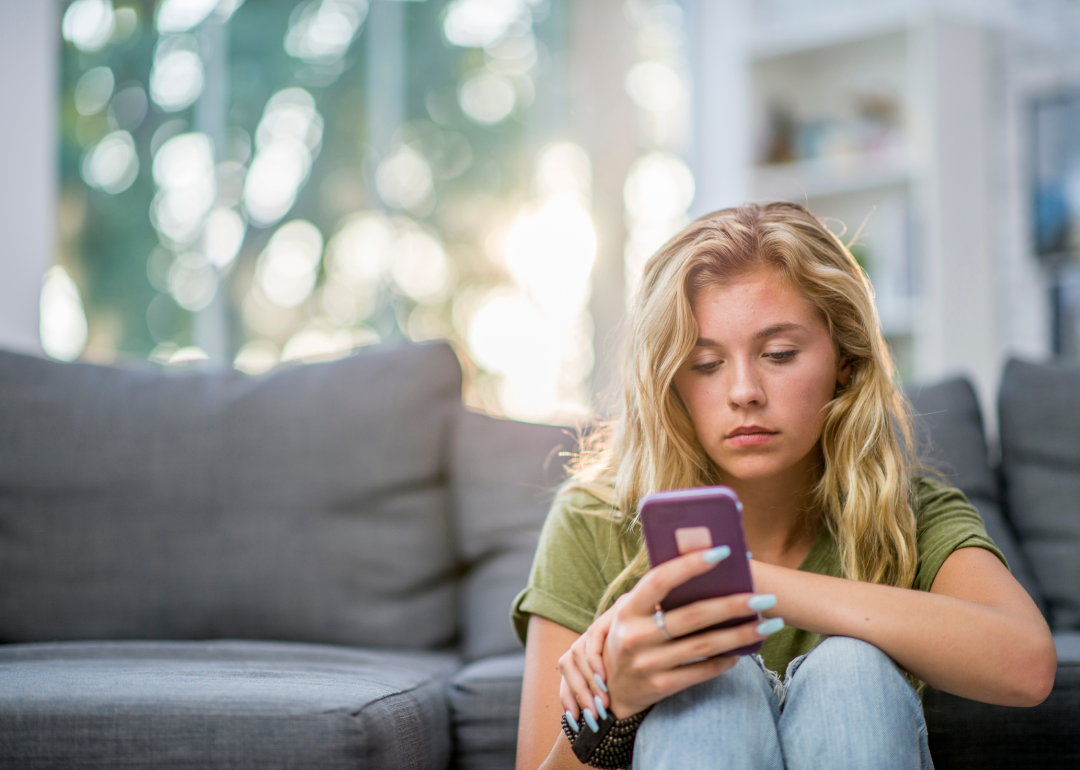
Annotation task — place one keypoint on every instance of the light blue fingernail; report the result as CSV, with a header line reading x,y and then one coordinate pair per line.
x,y
762,602
770,626
600,683
600,707
572,722
590,720
749,555
718,554
739,505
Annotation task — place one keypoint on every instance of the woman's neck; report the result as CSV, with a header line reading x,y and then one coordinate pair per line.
x,y
777,516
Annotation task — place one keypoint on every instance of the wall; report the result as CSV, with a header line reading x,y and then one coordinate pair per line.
x,y
29,54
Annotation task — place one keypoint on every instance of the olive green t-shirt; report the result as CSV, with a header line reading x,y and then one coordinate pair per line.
x,y
582,550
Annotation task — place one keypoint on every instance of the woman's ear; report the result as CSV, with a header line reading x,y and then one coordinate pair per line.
x,y
843,376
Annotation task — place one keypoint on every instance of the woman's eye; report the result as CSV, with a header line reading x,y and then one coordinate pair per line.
x,y
781,355
708,366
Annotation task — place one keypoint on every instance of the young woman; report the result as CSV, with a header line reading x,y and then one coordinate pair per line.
x,y
755,361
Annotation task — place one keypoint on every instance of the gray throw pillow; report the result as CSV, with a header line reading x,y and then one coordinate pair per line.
x,y
308,504
504,475
949,431
1040,459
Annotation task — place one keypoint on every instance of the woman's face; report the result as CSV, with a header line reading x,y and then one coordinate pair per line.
x,y
758,380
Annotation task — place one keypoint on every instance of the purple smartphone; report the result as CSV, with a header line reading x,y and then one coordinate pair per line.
x,y
684,520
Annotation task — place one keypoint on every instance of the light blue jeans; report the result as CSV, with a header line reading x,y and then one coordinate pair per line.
x,y
845,704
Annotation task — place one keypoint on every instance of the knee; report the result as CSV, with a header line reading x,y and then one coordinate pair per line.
x,y
732,714
850,659
849,706
745,684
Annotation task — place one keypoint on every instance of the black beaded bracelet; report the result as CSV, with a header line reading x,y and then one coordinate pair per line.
x,y
611,747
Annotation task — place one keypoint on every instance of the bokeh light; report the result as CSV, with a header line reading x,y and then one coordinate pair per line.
x,y
479,23
192,281
63,322
319,341
176,79
257,357
419,268
223,235
287,269
112,165
287,139
550,251
184,171
404,180
88,24
486,97
659,187
93,90
360,252
321,31
654,86
182,15
564,167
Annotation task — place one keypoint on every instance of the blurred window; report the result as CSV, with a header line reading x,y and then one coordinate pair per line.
x,y
278,181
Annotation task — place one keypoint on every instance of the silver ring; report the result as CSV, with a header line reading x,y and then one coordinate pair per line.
x,y
658,618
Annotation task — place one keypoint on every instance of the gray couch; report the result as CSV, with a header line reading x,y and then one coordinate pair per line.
x,y
313,568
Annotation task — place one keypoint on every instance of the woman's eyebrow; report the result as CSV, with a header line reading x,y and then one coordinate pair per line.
x,y
768,331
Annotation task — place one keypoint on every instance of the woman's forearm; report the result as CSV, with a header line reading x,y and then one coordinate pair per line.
x,y
981,652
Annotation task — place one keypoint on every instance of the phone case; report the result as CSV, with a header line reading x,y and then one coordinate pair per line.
x,y
703,517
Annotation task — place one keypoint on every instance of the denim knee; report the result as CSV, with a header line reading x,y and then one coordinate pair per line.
x,y
850,657
727,721
849,705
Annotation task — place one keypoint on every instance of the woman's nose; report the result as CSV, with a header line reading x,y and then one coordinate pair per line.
x,y
746,388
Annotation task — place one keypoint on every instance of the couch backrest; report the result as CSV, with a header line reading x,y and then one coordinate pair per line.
x,y
503,479
950,435
309,504
1040,460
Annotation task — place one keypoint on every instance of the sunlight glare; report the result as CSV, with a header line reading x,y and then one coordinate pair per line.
x,y
63,326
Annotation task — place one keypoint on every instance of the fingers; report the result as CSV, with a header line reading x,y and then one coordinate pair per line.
x,y
678,679
596,685
708,644
658,582
581,698
708,612
569,703
594,639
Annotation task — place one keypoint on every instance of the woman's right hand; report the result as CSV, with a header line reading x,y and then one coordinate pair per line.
x,y
642,667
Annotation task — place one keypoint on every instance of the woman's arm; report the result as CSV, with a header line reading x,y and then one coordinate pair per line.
x,y
540,739
976,634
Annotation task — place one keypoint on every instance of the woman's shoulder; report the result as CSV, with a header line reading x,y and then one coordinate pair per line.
x,y
945,520
932,496
583,508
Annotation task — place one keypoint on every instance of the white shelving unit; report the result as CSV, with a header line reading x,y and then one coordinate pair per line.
x,y
830,123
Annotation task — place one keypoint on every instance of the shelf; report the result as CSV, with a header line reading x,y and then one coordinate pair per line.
x,y
851,172
791,37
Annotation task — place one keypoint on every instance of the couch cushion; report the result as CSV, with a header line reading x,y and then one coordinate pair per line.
x,y
485,698
503,477
1040,460
951,440
221,705
308,505
968,735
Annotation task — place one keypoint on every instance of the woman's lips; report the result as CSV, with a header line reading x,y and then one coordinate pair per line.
x,y
750,436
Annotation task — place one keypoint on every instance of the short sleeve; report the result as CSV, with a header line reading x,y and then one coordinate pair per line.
x,y
945,522
578,555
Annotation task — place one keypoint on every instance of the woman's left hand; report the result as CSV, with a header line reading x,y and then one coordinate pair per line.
x,y
582,667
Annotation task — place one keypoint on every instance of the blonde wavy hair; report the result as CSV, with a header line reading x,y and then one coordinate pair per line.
x,y
865,490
